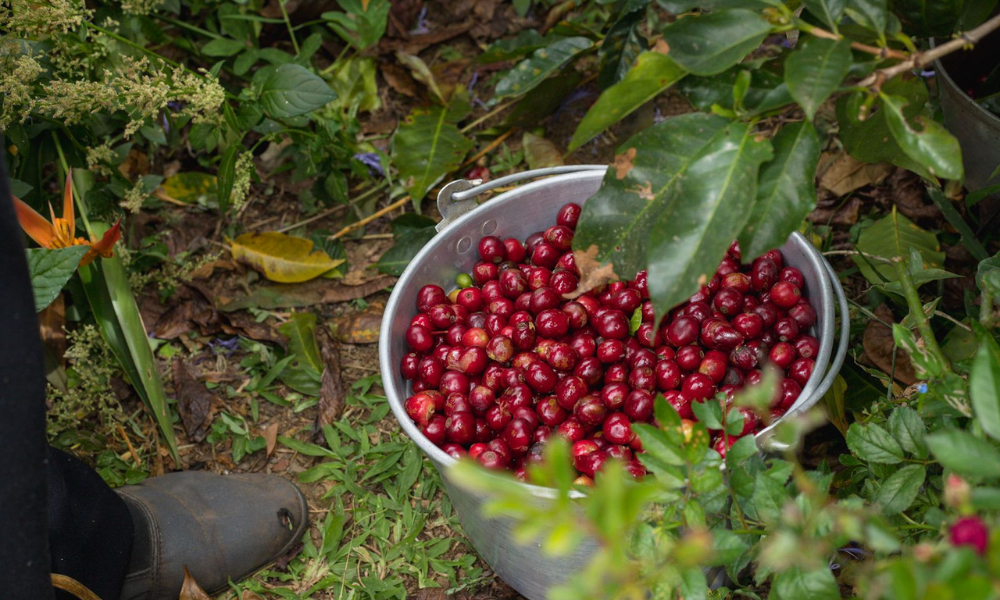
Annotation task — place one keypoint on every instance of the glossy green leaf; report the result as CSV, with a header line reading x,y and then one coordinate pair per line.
x,y
767,91
292,90
815,70
622,210
542,63
900,489
710,207
426,147
786,192
891,236
525,42
868,139
652,74
711,43
870,14
50,270
794,583
395,259
304,371
932,147
622,43
984,389
708,412
907,428
827,11
926,18
659,450
874,444
964,454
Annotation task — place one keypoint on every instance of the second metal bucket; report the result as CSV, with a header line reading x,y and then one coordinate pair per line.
x,y
518,213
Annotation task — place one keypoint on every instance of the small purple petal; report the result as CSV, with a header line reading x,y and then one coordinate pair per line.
x,y
421,26
472,82
371,160
785,43
927,73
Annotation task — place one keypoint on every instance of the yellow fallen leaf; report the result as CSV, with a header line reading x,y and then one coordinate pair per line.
x,y
282,258
191,187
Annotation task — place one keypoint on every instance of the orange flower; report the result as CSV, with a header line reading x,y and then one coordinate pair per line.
x,y
60,232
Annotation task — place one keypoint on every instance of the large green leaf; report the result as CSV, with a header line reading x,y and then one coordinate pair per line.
x,y
767,91
872,443
426,147
870,14
303,373
964,454
292,90
907,428
653,72
395,259
900,489
50,270
815,70
869,139
828,11
222,47
787,190
891,236
622,43
794,583
525,42
542,63
928,17
932,147
621,213
984,389
711,204
711,43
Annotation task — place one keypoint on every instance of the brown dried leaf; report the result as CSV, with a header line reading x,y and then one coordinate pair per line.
x,y
190,590
402,16
840,214
359,327
907,192
399,79
592,272
419,43
331,390
182,318
51,324
194,402
879,347
270,438
242,323
321,291
846,174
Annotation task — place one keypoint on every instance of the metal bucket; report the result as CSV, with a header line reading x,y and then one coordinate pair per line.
x,y
518,213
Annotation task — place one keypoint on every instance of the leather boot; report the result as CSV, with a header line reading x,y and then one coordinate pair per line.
x,y
220,527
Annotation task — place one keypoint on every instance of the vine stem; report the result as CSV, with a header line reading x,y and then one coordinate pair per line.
x,y
370,218
882,52
917,310
919,59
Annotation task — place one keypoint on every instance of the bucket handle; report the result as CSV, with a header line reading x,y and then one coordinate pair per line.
x,y
458,197
770,444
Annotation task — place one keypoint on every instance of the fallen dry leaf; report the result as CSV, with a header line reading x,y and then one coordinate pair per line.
x,y
906,191
182,318
845,213
243,323
282,258
360,327
540,152
194,402
846,174
331,389
270,438
402,15
399,79
190,590
418,43
74,587
592,272
320,291
879,346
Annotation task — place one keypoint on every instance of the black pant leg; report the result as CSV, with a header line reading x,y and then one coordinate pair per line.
x,y
24,553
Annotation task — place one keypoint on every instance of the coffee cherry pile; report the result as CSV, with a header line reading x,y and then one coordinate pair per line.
x,y
505,361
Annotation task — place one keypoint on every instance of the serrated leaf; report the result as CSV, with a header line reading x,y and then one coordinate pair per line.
x,y
872,443
907,428
709,210
984,389
652,74
50,270
222,47
426,147
292,90
815,70
794,583
786,191
964,454
891,236
658,448
900,489
709,413
395,259
828,11
711,43
932,147
542,63
282,258
769,495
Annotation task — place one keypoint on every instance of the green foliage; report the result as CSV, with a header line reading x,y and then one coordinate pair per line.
x,y
815,70
542,63
50,270
292,90
428,146
711,43
361,23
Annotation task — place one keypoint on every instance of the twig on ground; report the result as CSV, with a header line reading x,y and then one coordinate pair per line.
x,y
370,218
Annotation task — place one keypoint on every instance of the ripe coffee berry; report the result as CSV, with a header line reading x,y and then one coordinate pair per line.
x,y
568,215
785,294
618,429
782,354
807,346
688,358
492,249
803,314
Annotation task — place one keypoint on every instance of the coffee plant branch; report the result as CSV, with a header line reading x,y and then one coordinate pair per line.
x,y
881,52
920,59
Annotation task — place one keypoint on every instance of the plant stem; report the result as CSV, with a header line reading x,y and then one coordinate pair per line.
x,y
332,209
874,50
490,147
917,310
488,116
189,27
919,59
370,218
288,24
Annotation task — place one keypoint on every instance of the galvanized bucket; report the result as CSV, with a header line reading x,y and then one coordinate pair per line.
x,y
518,213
